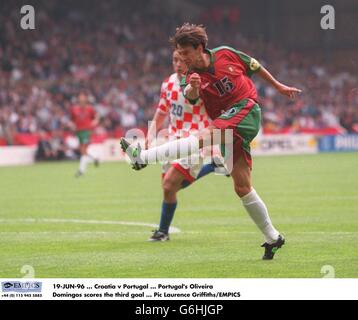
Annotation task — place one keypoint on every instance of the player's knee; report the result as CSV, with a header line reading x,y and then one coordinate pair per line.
x,y
242,190
169,186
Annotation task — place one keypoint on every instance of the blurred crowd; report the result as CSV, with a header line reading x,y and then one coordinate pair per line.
x,y
120,54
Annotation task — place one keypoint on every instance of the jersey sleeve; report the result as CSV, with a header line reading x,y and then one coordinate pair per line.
x,y
164,104
251,64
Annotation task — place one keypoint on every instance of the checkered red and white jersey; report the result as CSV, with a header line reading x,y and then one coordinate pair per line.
x,y
184,118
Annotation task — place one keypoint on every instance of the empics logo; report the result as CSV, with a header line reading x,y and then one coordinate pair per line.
x,y
17,286
7,285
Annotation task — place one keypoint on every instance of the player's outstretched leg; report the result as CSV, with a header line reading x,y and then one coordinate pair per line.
x,y
169,151
256,208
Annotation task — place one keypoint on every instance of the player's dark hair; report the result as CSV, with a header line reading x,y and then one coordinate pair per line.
x,y
190,35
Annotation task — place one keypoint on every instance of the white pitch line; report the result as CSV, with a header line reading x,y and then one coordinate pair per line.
x,y
125,223
143,224
342,233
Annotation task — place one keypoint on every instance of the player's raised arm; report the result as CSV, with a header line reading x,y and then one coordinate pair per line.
x,y
254,67
290,92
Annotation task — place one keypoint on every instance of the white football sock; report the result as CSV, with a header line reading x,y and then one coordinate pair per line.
x,y
172,150
259,214
83,163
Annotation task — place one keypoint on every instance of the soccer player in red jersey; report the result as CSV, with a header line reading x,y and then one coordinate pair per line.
x,y
222,78
184,119
84,120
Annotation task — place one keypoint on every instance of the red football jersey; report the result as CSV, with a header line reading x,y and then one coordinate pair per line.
x,y
227,80
83,116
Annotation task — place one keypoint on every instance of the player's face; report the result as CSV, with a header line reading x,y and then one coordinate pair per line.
x,y
82,99
178,64
190,55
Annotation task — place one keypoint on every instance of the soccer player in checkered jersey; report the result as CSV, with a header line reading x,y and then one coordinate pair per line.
x,y
184,119
222,78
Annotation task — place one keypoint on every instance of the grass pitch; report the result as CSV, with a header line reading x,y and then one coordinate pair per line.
x,y
52,222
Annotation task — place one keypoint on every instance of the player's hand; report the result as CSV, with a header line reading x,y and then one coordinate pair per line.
x,y
195,81
290,92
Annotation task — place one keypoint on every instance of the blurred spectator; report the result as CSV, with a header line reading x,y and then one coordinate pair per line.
x,y
122,59
44,149
53,147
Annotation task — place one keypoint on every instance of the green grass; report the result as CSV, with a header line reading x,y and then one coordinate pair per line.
x,y
313,201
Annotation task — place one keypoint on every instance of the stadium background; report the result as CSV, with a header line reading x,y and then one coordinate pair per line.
x,y
118,51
